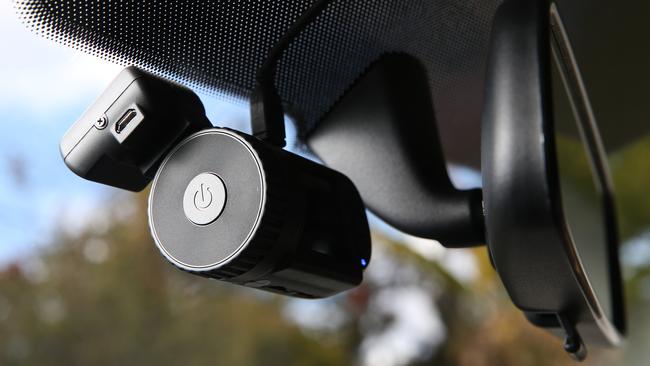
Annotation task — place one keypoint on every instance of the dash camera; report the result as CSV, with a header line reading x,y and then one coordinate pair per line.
x,y
121,138
228,206
224,204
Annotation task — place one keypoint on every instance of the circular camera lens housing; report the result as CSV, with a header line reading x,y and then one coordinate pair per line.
x,y
229,206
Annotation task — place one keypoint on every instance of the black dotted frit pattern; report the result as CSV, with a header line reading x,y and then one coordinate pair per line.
x,y
216,46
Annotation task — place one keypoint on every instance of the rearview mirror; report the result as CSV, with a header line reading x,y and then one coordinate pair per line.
x,y
550,217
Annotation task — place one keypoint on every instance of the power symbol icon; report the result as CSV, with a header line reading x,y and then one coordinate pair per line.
x,y
204,198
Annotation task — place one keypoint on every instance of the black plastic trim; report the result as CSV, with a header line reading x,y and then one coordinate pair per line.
x,y
526,229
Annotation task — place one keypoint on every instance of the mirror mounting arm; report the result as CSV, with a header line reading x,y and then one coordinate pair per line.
x,y
383,135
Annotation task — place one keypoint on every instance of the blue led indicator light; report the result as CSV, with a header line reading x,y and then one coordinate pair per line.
x,y
364,262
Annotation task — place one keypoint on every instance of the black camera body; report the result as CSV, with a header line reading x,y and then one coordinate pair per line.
x,y
223,204
120,139
258,216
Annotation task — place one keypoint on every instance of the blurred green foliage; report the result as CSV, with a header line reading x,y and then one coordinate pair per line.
x,y
104,296
631,173
131,308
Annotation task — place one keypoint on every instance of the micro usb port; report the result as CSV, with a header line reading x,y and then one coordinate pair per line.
x,y
126,118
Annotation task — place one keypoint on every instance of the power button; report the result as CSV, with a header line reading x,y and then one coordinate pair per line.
x,y
204,198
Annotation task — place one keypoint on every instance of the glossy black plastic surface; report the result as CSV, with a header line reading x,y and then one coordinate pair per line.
x,y
526,228
382,134
121,138
289,225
